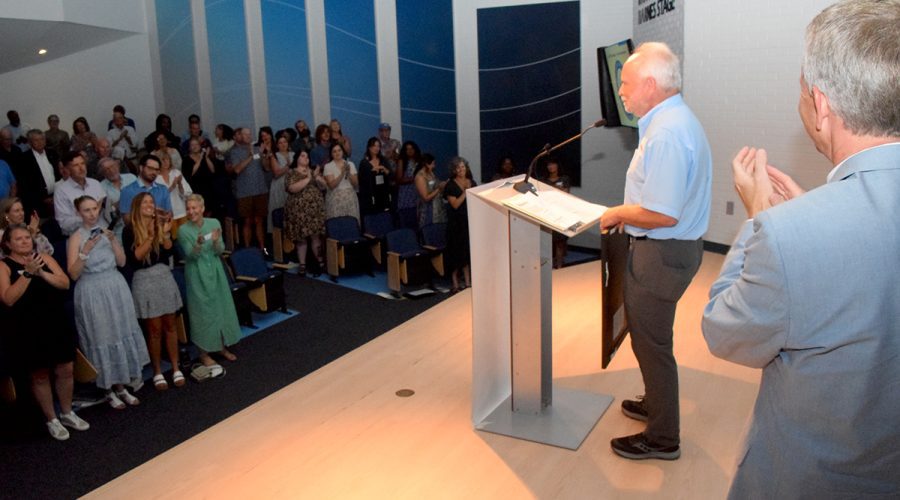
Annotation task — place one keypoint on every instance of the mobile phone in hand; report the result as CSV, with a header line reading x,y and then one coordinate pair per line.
x,y
95,232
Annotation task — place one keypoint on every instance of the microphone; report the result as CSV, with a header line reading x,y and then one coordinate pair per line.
x,y
524,186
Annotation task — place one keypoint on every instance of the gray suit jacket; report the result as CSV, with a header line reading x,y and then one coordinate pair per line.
x,y
810,293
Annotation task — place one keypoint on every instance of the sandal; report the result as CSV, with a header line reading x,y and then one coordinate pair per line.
x,y
114,401
124,395
178,378
160,382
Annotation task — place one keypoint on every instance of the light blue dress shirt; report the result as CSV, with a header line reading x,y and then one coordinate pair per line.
x,y
671,171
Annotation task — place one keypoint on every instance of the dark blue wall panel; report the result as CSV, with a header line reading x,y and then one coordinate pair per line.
x,y
427,77
177,62
353,69
530,83
287,62
229,65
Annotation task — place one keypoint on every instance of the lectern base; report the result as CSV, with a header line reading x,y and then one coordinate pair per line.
x,y
564,424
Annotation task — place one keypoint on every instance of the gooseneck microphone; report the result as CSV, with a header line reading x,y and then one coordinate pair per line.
x,y
524,186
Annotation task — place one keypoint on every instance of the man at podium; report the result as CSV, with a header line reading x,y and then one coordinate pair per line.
x,y
666,213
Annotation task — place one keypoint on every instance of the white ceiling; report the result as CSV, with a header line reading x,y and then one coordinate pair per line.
x,y
22,39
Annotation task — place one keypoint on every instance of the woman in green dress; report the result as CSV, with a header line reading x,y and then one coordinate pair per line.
x,y
213,319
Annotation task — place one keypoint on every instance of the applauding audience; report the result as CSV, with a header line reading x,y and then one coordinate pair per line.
x,y
12,213
104,309
214,323
340,177
148,248
36,333
178,188
304,210
405,174
374,179
457,252
279,163
430,208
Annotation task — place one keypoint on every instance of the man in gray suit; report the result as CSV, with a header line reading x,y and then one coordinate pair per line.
x,y
810,291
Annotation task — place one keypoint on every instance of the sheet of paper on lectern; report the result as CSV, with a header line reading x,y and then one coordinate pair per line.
x,y
557,209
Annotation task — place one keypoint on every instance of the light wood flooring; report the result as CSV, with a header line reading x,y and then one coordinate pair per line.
x,y
341,432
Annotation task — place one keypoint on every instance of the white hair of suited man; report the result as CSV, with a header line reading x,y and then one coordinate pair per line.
x,y
852,55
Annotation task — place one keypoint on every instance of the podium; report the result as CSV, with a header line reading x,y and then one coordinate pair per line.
x,y
512,343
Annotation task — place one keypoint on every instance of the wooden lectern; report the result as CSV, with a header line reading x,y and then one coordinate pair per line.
x,y
512,375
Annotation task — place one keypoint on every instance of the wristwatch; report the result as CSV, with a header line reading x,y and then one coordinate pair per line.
x,y
27,274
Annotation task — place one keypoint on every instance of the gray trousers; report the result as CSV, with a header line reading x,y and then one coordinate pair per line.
x,y
658,273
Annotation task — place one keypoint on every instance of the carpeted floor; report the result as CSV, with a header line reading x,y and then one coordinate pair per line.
x,y
333,320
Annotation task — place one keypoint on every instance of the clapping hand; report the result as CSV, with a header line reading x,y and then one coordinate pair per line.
x,y
34,224
216,234
751,180
35,264
783,184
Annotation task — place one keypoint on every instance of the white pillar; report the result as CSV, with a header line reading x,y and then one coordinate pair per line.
x,y
388,62
201,58
256,57
318,62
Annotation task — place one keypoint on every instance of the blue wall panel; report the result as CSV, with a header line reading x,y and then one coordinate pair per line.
x,y
530,83
177,62
427,77
229,65
353,69
287,62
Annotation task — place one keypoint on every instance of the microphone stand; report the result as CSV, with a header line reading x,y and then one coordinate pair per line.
x,y
524,186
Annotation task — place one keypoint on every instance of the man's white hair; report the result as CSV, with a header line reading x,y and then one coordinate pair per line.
x,y
660,63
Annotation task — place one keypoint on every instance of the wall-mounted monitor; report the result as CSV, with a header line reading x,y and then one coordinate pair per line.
x,y
610,61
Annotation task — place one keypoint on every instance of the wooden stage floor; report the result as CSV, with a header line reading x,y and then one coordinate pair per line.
x,y
342,432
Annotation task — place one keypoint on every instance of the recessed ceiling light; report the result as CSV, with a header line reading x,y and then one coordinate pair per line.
x,y
42,52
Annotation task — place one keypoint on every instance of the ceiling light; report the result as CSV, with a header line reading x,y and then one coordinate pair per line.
x,y
42,52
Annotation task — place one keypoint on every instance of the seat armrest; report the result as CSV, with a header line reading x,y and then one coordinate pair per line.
x,y
250,279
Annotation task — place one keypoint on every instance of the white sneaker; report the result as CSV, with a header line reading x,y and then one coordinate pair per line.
x,y
57,430
74,421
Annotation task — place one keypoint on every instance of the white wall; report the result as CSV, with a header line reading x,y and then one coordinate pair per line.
x,y
87,83
741,74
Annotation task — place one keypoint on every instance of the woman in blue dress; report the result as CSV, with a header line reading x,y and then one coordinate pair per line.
x,y
105,318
